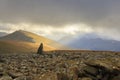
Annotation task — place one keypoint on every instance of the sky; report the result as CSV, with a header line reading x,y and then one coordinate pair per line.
x,y
56,19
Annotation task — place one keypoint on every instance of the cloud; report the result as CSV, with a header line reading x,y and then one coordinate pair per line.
x,y
99,16
48,31
53,12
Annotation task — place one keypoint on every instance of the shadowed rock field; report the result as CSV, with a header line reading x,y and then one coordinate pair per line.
x,y
61,65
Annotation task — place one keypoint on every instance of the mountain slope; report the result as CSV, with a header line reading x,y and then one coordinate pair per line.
x,y
20,47
26,42
26,36
2,34
94,43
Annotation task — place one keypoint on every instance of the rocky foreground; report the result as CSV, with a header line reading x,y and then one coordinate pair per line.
x,y
61,65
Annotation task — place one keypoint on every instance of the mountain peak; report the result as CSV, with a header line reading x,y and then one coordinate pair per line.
x,y
25,36
19,35
21,31
24,41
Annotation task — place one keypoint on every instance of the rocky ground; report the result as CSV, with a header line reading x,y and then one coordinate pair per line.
x,y
61,65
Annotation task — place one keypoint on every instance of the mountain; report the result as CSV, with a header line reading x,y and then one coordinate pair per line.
x,y
94,43
25,42
68,39
2,34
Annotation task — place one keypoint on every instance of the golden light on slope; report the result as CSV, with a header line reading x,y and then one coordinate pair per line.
x,y
26,42
21,47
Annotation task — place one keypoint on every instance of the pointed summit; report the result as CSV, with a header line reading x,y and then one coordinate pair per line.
x,y
19,35
24,41
26,36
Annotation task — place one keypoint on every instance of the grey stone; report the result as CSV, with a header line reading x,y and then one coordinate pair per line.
x,y
23,78
6,77
86,78
15,74
116,77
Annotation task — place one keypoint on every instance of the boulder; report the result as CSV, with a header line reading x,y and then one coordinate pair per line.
x,y
116,77
6,77
86,78
23,78
100,70
15,74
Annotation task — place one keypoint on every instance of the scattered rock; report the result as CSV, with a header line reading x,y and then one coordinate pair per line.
x,y
73,73
48,76
116,77
15,74
6,77
23,78
98,71
86,79
60,66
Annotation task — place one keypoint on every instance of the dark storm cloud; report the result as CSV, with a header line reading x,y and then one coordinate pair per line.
x,y
58,12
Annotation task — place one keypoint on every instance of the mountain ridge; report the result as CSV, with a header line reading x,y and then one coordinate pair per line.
x,y
24,41
95,43
2,34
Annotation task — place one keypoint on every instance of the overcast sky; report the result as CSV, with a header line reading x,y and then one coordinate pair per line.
x,y
59,18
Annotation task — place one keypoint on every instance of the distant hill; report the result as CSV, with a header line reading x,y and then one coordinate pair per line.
x,y
94,42
91,41
2,34
26,42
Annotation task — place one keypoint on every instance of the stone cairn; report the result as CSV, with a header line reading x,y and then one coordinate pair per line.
x,y
40,49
